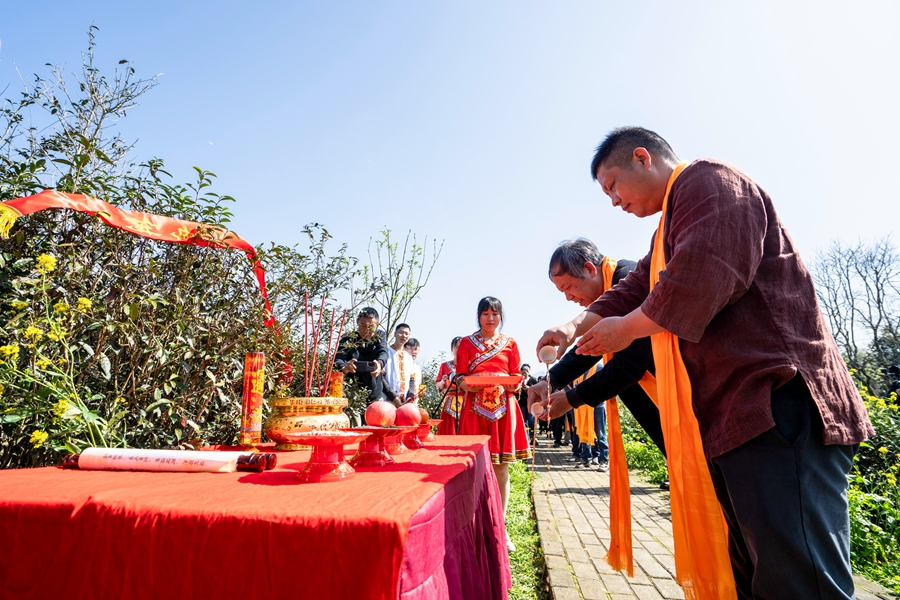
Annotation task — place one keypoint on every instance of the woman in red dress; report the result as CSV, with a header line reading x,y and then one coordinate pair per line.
x,y
444,382
493,410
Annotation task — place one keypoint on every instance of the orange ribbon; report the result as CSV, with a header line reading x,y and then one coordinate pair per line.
x,y
702,565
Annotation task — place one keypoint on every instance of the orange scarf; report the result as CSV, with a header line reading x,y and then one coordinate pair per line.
x,y
702,566
620,555
584,415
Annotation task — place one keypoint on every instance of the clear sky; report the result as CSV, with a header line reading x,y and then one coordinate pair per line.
x,y
475,122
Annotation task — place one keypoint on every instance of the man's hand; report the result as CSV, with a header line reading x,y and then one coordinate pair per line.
x,y
378,369
561,336
564,336
616,333
609,335
538,393
350,366
559,405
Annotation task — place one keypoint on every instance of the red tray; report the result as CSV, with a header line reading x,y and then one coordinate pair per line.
x,y
474,381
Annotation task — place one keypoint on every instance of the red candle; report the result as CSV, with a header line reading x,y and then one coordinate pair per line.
x,y
251,410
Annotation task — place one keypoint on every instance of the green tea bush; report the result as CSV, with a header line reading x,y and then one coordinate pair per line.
x,y
109,339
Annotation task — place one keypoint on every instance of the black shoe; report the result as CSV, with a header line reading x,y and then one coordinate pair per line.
x,y
557,445
664,485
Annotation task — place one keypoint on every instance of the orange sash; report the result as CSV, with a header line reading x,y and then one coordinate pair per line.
x,y
702,566
584,415
620,555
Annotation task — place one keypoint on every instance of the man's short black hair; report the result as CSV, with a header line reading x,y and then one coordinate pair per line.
x,y
413,342
367,313
525,366
570,256
397,328
620,143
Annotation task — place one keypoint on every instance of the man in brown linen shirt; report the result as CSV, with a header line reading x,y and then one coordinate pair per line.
x,y
778,413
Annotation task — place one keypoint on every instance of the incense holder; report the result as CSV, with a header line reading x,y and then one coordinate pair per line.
x,y
300,415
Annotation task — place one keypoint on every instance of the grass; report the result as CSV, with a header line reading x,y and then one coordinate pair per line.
x,y
527,562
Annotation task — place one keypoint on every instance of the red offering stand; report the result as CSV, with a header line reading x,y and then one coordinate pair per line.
x,y
425,432
327,461
372,450
395,444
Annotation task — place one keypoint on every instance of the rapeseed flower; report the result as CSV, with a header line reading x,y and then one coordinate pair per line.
x,y
57,335
19,304
38,438
11,352
61,407
43,363
34,332
84,304
883,450
61,307
46,263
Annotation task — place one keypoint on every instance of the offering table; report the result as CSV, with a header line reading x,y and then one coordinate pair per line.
x,y
428,526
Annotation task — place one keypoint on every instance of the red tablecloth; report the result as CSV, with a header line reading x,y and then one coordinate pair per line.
x,y
429,526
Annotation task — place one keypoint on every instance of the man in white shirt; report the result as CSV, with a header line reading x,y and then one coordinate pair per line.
x,y
399,365
415,376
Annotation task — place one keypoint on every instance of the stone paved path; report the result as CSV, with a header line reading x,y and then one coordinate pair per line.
x,y
572,509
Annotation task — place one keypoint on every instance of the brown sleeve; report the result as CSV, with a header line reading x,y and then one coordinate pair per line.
x,y
626,295
715,240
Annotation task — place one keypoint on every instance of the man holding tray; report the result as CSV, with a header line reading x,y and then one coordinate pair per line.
x,y
753,374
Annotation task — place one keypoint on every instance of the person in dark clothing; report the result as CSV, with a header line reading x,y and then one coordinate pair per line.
x,y
558,426
576,270
527,382
364,345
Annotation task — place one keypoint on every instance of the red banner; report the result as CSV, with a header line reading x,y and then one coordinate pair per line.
x,y
154,227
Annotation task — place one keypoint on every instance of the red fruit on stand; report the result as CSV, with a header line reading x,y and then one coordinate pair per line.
x,y
381,414
423,416
407,415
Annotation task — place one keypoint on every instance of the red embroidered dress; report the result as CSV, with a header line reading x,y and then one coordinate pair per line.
x,y
449,412
502,419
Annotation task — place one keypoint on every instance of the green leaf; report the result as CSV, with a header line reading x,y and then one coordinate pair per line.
x,y
10,418
72,447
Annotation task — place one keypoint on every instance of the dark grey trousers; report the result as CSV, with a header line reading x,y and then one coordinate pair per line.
x,y
784,495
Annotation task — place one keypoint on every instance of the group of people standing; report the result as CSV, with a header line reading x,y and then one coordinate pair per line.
x,y
716,344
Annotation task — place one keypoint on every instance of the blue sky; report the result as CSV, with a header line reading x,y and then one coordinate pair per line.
x,y
475,122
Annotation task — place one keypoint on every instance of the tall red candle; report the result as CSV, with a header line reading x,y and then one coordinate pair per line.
x,y
251,410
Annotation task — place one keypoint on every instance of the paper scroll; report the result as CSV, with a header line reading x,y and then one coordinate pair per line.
x,y
187,461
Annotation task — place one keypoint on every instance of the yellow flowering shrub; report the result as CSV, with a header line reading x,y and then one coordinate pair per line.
x,y
61,307
84,305
873,495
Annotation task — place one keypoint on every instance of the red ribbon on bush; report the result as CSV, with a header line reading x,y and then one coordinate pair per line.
x,y
154,227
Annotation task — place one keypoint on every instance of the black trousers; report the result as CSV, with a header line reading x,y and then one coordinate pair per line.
x,y
558,425
784,495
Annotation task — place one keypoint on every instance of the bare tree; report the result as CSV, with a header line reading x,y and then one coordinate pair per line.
x,y
394,278
858,287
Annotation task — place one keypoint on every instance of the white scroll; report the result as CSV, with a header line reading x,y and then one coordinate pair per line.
x,y
135,459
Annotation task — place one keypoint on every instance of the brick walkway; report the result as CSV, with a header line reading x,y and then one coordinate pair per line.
x,y
572,509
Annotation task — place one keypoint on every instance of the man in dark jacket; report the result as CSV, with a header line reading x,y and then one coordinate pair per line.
x,y
575,269
367,347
